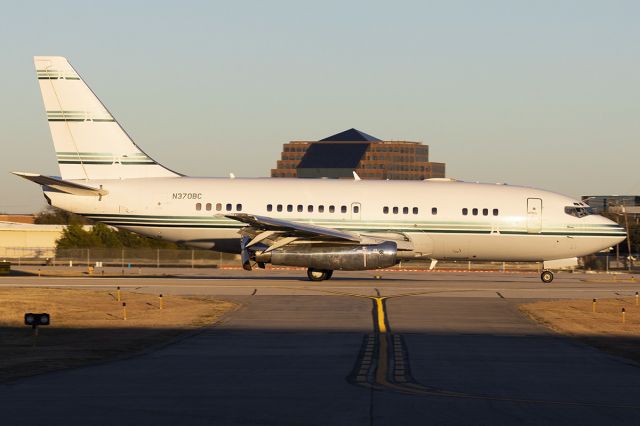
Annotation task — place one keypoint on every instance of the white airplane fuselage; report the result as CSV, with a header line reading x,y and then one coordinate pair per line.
x,y
502,222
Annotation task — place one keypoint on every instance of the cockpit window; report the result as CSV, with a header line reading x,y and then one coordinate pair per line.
x,y
578,211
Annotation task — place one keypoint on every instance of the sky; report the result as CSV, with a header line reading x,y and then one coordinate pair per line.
x,y
537,93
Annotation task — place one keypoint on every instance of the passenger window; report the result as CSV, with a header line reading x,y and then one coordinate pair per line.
x,y
269,207
465,211
229,207
300,208
434,210
343,209
475,212
289,208
356,209
279,207
239,207
310,208
495,212
320,209
385,210
485,212
218,206
415,210
208,206
405,210
332,209
198,206
395,210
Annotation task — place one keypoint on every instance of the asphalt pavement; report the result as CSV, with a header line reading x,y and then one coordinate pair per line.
x,y
410,348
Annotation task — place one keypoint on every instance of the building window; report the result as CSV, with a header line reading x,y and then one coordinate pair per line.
x,y
218,206
289,208
198,206
239,207
208,207
300,208
415,210
343,209
269,207
332,209
434,210
279,207
465,211
495,212
405,210
385,210
395,210
320,209
485,212
475,212
229,206
310,208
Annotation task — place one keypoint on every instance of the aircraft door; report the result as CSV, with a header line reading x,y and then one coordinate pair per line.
x,y
534,215
356,211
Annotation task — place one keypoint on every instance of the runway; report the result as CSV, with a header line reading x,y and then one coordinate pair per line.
x,y
427,348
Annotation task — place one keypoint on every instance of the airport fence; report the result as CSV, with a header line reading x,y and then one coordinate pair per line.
x,y
120,257
186,258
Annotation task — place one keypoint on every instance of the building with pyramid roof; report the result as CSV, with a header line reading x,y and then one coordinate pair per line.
x,y
339,155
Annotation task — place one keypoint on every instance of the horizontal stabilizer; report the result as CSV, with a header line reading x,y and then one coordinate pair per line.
x,y
63,185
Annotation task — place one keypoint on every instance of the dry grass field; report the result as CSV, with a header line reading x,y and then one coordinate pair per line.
x,y
88,326
603,329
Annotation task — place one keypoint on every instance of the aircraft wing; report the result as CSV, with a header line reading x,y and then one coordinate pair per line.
x,y
62,185
269,234
293,229
279,232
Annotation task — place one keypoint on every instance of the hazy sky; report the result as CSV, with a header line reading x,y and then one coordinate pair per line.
x,y
541,93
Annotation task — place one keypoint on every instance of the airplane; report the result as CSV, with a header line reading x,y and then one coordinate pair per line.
x,y
319,224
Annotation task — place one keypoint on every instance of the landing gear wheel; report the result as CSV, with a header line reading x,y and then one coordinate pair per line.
x,y
319,274
546,276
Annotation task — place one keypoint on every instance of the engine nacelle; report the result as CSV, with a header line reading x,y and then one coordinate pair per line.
x,y
335,258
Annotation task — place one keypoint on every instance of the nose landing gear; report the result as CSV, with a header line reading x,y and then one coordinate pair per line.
x,y
546,276
319,274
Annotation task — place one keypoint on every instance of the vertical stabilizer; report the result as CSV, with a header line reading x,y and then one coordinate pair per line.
x,y
89,143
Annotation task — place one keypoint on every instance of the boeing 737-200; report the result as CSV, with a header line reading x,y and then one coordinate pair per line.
x,y
319,224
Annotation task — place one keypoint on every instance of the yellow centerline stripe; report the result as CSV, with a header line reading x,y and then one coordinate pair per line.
x,y
382,328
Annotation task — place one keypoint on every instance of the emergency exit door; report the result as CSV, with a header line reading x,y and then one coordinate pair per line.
x,y
534,215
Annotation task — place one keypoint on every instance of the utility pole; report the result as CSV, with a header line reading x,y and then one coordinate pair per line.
x,y
626,224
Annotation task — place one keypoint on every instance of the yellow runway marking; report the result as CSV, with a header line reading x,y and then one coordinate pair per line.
x,y
382,327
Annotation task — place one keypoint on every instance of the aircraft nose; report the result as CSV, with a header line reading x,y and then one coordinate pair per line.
x,y
617,232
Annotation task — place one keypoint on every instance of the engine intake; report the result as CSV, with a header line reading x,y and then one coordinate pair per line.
x,y
337,257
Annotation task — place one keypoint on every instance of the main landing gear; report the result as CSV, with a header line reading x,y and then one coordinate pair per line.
x,y
319,274
546,276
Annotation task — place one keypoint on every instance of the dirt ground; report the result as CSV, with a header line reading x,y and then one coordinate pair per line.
x,y
88,326
603,329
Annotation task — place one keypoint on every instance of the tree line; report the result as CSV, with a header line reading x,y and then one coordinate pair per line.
x,y
75,236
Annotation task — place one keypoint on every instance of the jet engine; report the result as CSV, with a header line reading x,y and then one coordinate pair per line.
x,y
346,257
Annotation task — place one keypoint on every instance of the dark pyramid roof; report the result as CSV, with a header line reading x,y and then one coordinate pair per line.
x,y
351,135
333,155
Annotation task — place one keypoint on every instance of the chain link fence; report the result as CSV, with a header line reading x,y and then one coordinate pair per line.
x,y
173,258
122,258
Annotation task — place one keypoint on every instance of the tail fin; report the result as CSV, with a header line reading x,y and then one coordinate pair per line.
x,y
89,143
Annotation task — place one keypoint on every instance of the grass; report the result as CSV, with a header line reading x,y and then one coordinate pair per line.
x,y
603,329
88,326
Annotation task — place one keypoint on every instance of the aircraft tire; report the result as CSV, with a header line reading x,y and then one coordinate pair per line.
x,y
318,274
546,276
